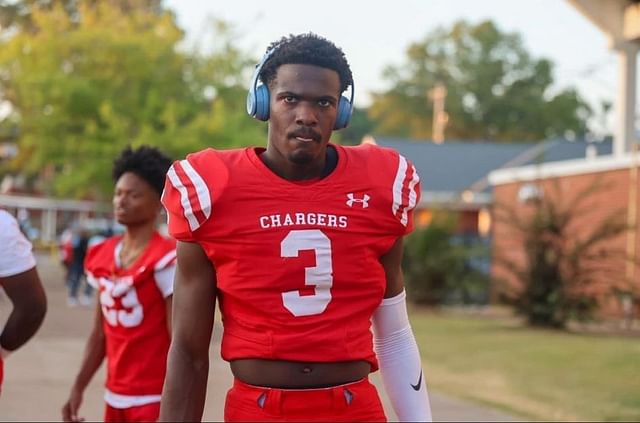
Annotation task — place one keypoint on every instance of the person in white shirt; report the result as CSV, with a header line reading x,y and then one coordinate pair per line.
x,y
20,281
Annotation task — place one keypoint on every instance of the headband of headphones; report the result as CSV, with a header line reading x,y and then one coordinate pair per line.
x,y
258,98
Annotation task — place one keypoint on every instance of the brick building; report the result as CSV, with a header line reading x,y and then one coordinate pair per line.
x,y
617,177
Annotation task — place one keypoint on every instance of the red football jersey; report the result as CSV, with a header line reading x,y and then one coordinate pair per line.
x,y
134,314
297,264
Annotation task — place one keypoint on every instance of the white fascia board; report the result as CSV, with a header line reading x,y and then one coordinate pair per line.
x,y
44,203
564,168
452,199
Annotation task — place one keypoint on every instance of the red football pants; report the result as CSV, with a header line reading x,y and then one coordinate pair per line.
x,y
357,401
141,413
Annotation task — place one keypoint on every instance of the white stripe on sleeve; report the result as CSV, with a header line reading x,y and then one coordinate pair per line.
x,y
184,199
412,195
398,183
202,191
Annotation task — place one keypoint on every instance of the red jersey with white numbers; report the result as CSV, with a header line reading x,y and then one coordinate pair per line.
x,y
297,264
134,314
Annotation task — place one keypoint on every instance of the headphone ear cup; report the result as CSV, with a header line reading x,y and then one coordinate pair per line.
x,y
344,113
262,103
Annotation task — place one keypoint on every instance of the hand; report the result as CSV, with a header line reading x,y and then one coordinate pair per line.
x,y
71,407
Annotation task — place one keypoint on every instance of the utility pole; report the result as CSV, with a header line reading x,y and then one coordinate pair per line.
x,y
440,117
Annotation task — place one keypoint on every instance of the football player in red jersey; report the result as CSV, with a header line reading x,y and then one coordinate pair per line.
x,y
20,281
301,242
133,275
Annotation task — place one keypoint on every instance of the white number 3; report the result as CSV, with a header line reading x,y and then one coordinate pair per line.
x,y
319,276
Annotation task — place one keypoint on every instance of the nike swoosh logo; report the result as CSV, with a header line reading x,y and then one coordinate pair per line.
x,y
416,387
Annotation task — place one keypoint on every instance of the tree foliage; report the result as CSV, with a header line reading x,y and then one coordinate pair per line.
x,y
19,14
563,268
359,126
495,89
86,78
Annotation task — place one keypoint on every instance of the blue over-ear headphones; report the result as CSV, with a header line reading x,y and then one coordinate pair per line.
x,y
258,98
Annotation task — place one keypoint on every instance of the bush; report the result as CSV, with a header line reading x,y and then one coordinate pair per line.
x,y
442,268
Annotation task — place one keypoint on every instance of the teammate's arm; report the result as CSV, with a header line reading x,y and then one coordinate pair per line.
x,y
194,300
396,347
29,302
94,353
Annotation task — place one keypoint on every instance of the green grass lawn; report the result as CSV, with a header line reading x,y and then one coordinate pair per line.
x,y
538,374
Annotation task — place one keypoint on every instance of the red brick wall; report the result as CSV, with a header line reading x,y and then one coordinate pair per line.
x,y
613,197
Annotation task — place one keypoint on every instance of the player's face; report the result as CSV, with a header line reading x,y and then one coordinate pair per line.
x,y
304,100
135,202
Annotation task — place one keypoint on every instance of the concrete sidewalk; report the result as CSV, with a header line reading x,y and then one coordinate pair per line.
x,y
38,377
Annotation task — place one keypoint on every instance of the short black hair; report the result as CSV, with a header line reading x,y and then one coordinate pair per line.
x,y
147,162
307,49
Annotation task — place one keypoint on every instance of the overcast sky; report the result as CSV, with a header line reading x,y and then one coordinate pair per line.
x,y
376,33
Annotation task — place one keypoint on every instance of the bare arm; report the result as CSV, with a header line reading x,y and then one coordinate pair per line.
x,y
392,264
194,301
168,306
29,308
94,353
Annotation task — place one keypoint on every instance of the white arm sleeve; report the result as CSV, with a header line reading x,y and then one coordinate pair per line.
x,y
399,359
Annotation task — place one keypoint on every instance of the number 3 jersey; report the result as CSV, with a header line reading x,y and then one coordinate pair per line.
x,y
134,314
297,263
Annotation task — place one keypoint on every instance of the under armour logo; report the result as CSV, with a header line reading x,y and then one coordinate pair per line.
x,y
352,199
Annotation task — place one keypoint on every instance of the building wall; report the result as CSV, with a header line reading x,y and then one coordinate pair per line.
x,y
612,198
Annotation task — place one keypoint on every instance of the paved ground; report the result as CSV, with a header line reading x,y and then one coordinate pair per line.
x,y
38,377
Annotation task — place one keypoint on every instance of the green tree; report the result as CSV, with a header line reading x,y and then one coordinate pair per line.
x,y
359,126
83,85
218,75
495,89
19,13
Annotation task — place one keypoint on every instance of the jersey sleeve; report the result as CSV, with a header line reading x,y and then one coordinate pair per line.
x,y
405,193
399,183
15,249
164,272
186,197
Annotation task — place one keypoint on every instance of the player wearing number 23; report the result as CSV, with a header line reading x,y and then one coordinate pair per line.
x,y
133,275
299,241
